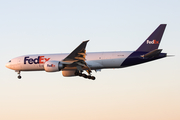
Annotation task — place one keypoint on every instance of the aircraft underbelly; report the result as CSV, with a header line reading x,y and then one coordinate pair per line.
x,y
33,67
112,63
114,60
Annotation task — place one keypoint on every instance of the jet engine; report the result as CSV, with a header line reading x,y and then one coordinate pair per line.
x,y
68,73
53,66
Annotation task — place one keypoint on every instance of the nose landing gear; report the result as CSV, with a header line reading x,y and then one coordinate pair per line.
x,y
19,75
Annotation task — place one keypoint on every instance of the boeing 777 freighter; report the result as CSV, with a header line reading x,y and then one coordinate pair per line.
x,y
78,61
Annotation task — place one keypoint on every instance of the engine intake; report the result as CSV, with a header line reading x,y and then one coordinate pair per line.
x,y
53,66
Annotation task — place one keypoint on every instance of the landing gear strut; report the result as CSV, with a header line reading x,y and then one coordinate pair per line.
x,y
84,75
19,76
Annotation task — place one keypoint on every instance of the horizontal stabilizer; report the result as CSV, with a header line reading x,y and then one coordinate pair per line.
x,y
170,55
152,54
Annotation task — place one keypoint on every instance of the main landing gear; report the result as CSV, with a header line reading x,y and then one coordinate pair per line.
x,y
19,76
84,75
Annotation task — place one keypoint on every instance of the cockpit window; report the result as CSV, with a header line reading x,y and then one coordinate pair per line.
x,y
10,61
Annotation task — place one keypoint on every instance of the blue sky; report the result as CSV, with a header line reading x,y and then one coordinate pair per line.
x,y
148,91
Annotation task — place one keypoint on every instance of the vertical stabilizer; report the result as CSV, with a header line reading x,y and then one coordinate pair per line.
x,y
153,41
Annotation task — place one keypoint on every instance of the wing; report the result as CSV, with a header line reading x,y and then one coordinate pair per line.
x,y
78,54
77,58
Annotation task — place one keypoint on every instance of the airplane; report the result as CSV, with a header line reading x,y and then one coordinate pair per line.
x,y
78,61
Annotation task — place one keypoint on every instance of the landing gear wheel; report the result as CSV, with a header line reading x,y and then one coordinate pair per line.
x,y
84,75
89,77
19,77
93,78
80,74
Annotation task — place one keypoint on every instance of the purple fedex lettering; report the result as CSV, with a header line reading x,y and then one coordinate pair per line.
x,y
25,59
31,60
38,60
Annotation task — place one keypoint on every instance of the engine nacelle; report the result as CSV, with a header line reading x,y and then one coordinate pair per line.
x,y
53,66
68,73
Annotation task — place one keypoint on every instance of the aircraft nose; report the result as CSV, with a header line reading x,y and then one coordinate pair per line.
x,y
8,65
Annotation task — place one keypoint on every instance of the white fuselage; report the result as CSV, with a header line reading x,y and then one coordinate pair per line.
x,y
95,60
74,63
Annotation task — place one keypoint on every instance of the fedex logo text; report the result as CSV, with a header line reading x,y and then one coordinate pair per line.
x,y
152,42
51,65
38,60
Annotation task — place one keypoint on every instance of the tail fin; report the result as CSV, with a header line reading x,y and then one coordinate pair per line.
x,y
153,41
